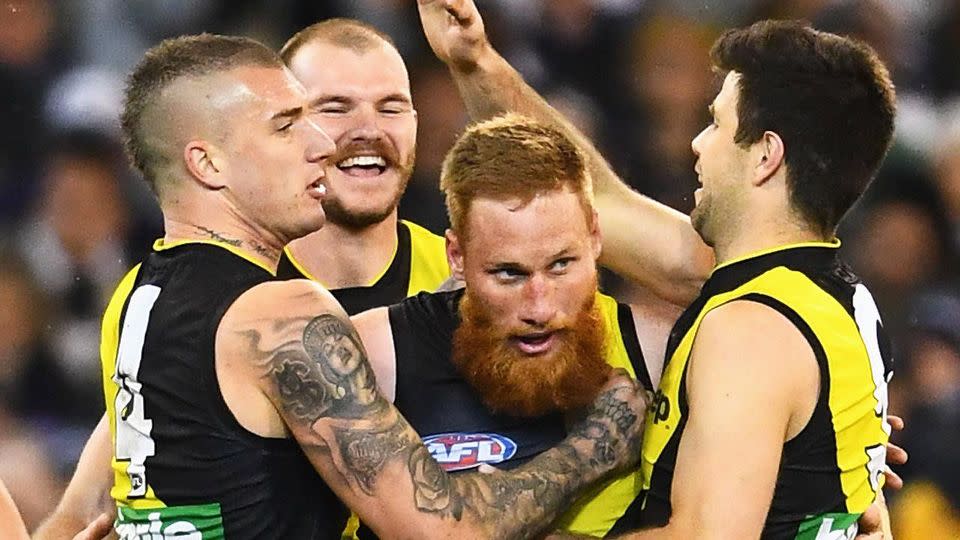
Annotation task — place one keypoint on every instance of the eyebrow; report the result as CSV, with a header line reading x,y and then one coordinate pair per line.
x,y
288,113
329,98
395,97
713,111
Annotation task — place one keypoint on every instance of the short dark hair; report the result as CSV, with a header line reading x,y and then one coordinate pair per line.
x,y
351,34
170,60
828,97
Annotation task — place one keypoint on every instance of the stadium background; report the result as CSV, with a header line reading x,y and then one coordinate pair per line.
x,y
633,74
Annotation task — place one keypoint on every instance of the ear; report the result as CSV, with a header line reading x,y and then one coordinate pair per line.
x,y
770,155
204,163
596,238
454,255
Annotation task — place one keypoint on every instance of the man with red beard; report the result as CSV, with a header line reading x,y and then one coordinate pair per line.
x,y
490,373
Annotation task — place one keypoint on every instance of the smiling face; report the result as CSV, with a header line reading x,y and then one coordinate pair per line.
x,y
274,156
361,99
722,168
531,338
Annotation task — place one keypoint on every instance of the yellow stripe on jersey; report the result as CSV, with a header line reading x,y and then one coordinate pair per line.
x,y
160,245
851,399
300,268
598,509
109,344
428,260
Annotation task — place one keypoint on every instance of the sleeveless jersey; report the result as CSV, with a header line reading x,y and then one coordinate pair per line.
x,y
831,471
183,465
461,433
419,264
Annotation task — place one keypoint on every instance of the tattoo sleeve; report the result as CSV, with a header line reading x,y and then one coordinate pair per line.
x,y
321,382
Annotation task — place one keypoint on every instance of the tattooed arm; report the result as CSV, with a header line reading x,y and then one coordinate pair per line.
x,y
308,361
669,257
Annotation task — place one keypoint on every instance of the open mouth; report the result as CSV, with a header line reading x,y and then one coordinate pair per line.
x,y
317,190
363,166
533,344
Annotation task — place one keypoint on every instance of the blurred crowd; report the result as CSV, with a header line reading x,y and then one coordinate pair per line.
x,y
633,74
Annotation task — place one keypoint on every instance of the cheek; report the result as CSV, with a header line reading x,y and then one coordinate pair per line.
x,y
579,288
404,134
498,301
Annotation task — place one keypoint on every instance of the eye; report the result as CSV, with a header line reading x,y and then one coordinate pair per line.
x,y
560,265
394,108
331,108
506,275
285,127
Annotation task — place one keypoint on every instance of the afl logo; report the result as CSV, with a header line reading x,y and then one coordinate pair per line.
x,y
458,451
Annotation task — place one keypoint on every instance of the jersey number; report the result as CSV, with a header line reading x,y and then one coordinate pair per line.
x,y
868,321
134,444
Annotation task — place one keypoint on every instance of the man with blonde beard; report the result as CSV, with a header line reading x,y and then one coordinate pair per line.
x,y
359,94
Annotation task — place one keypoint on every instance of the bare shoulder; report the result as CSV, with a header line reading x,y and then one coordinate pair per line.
x,y
744,341
275,299
277,330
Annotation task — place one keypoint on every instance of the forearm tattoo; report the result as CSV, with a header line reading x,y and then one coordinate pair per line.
x,y
322,373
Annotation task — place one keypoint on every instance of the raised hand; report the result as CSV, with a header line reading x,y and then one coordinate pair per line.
x,y
455,31
895,456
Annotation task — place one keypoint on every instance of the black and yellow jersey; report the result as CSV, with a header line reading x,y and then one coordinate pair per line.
x,y
183,466
419,264
831,471
461,433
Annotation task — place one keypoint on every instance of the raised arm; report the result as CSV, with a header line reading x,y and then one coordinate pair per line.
x,y
309,362
667,255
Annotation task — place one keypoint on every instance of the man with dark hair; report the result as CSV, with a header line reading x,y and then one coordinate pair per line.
x,y
775,380
227,390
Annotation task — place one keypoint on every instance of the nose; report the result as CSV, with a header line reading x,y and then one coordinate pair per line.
x,y
366,127
320,146
696,142
538,306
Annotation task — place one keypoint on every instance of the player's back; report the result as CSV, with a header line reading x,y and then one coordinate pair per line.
x,y
182,462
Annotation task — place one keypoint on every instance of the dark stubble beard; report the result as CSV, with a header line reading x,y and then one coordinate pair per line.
x,y
511,382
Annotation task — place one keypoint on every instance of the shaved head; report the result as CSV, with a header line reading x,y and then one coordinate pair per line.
x,y
170,90
352,34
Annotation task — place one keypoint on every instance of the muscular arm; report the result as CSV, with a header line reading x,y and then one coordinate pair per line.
x,y
88,494
308,360
668,257
730,414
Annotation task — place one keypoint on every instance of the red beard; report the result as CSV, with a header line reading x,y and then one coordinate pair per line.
x,y
511,382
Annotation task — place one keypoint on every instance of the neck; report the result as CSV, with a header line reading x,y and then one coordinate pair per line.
x,y
341,257
743,244
243,237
